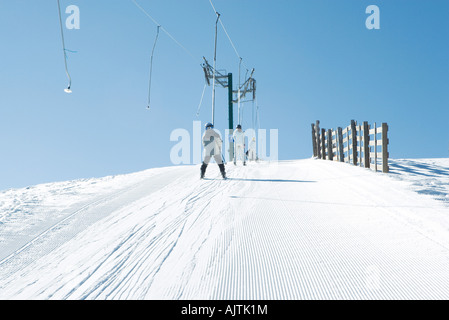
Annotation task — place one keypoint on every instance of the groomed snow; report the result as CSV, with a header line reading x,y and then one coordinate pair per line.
x,y
304,229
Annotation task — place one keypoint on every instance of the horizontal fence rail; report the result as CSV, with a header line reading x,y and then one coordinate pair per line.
x,y
361,145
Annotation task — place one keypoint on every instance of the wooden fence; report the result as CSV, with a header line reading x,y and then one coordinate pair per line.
x,y
361,145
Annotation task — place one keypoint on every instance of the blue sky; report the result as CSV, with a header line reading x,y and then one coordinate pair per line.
x,y
314,59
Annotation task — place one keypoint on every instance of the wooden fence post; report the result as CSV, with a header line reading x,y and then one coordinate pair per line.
x,y
317,133
359,142
375,147
366,144
340,144
348,146
330,152
334,145
323,143
314,140
361,155
385,141
354,142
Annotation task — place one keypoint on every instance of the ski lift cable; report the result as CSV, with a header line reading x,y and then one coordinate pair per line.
x,y
215,64
257,115
240,108
163,29
201,101
67,90
227,34
253,119
238,93
151,66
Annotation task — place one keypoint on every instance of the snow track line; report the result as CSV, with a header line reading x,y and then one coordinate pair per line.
x,y
84,208
406,265
332,232
298,248
197,210
367,191
156,249
59,223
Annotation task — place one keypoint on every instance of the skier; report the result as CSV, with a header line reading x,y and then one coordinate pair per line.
x,y
239,145
251,153
212,147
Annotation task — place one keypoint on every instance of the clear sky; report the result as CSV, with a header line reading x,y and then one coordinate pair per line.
x,y
314,60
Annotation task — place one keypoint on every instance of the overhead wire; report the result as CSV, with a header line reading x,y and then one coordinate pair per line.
x,y
64,50
160,27
227,34
214,74
201,101
241,62
151,67
163,29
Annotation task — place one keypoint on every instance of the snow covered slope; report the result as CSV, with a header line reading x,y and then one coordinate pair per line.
x,y
306,229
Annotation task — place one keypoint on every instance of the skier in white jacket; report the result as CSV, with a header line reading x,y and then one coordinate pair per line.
x,y
252,156
212,146
239,145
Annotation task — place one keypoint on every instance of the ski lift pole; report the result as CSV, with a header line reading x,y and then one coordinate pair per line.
x,y
215,62
230,115
238,94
